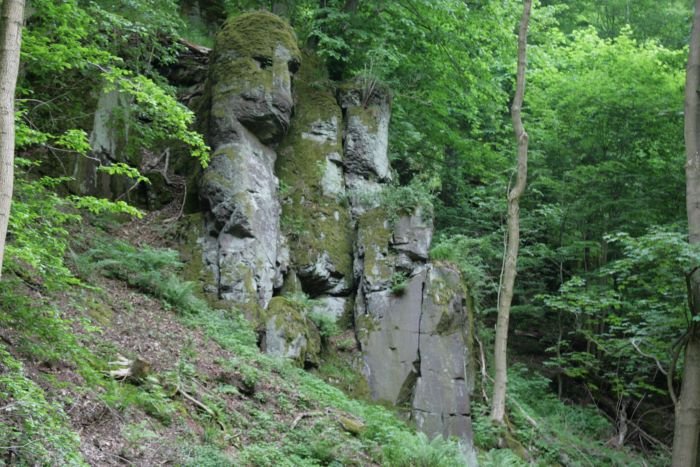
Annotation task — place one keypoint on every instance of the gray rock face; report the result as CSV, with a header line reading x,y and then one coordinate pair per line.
x,y
367,133
389,337
322,230
441,398
241,190
310,166
415,352
330,306
289,333
411,323
413,235
251,77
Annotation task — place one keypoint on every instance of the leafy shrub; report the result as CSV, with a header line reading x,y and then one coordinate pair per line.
x,y
466,253
326,324
399,282
406,199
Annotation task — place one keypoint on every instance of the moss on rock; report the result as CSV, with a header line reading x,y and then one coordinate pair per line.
x,y
295,335
374,234
245,48
257,34
315,221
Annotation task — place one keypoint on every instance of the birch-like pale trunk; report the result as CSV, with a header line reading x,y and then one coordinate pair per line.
x,y
686,430
11,17
505,296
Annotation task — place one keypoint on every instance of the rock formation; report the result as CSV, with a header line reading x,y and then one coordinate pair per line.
x,y
251,106
293,204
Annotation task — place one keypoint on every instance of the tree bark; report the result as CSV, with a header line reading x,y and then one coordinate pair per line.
x,y
11,16
687,420
505,296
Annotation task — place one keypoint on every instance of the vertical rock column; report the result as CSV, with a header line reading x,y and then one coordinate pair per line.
x,y
316,218
410,315
250,93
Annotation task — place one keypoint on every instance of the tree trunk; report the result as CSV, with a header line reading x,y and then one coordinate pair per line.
x,y
687,421
505,297
11,16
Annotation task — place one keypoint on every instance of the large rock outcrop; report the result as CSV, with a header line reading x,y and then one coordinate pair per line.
x,y
322,228
250,108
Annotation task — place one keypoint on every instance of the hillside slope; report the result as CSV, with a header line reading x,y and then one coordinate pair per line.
x,y
201,392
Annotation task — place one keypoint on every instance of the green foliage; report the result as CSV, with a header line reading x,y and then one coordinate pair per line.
x,y
36,429
206,456
168,119
152,270
399,282
467,253
565,433
38,231
407,199
408,450
631,310
667,22
501,458
325,323
151,398
70,49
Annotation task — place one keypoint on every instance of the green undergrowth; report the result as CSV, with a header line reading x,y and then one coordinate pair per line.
x,y
385,438
548,431
290,418
32,428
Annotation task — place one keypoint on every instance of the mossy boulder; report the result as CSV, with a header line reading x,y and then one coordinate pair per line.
x,y
287,332
250,79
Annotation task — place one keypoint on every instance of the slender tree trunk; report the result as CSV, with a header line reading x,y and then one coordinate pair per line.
x,y
11,16
692,131
498,408
687,421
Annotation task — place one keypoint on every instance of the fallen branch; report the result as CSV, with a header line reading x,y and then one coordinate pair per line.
x,y
201,405
303,415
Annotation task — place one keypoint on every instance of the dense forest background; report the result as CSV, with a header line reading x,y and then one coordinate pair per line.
x,y
600,301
